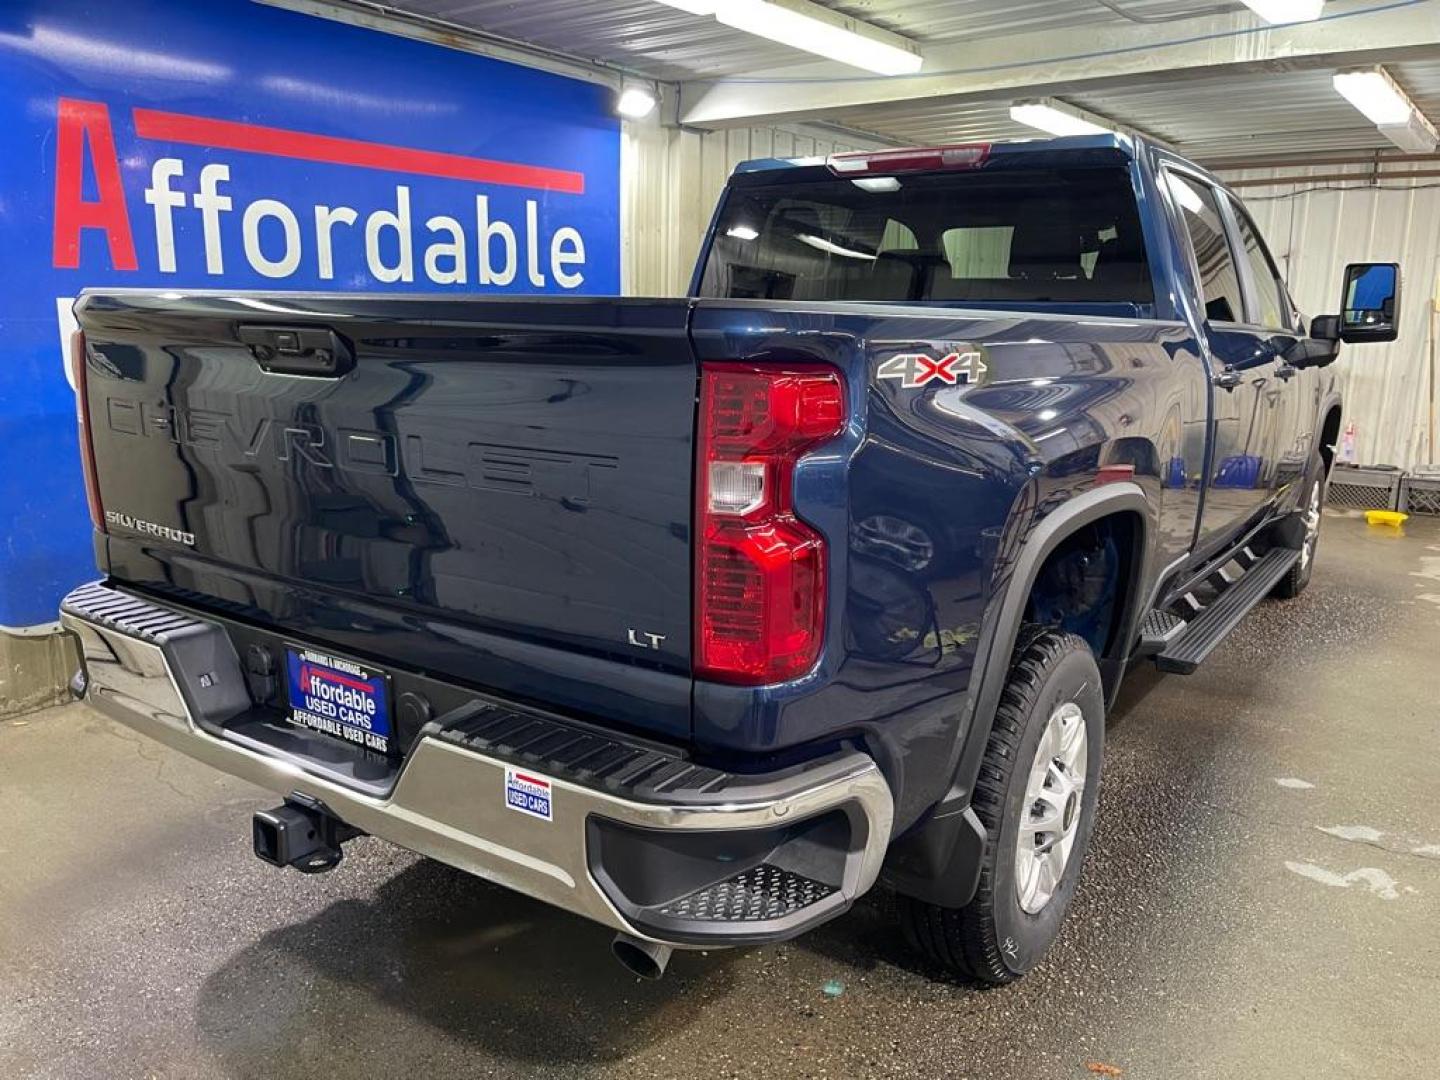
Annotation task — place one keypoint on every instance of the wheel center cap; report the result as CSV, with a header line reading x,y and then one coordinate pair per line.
x,y
1067,819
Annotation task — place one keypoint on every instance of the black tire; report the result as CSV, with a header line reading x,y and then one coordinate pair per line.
x,y
1311,500
993,939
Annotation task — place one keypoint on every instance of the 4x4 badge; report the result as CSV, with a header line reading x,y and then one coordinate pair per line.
x,y
915,370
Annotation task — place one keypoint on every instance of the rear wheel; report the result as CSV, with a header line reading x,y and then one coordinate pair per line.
x,y
1298,576
1036,797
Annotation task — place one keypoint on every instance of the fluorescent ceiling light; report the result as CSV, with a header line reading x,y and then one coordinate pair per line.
x,y
1286,11
802,24
741,232
1415,136
1056,117
793,25
635,102
1375,94
819,243
1388,107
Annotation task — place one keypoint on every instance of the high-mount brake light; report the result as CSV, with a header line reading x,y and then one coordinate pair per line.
x,y
911,159
82,424
760,589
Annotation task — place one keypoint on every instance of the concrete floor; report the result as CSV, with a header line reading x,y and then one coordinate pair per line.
x,y
1262,900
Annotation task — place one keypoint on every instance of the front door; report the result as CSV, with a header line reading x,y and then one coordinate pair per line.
x,y
1290,404
1244,386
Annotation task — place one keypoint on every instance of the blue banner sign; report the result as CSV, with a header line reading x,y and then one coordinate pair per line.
x,y
160,143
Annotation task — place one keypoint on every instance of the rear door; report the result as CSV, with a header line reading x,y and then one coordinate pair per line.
x,y
493,491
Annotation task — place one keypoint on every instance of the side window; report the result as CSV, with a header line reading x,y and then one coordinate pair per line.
x,y
1269,307
1218,279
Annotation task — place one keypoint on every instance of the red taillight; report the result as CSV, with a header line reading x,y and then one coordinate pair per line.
x,y
909,159
760,570
82,423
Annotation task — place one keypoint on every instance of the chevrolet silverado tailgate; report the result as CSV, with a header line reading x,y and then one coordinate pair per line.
x,y
496,491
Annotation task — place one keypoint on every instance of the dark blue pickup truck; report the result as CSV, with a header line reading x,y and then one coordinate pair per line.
x,y
700,617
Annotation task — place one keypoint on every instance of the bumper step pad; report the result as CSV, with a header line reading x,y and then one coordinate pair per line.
x,y
207,672
566,749
619,764
130,615
762,892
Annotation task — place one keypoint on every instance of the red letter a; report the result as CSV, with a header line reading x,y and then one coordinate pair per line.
x,y
75,121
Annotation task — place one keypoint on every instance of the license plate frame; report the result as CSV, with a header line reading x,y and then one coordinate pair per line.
x,y
337,706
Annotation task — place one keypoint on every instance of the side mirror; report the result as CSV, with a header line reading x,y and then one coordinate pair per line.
x,y
1370,302
1325,328
1320,347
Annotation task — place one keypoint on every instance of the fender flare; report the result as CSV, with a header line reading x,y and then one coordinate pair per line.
x,y
1043,539
940,860
1331,400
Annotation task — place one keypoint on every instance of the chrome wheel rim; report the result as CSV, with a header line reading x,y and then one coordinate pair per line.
x,y
1312,526
1050,821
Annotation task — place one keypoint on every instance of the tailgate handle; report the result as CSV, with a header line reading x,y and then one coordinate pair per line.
x,y
299,350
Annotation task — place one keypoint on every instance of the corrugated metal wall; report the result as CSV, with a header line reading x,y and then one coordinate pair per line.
x,y
1317,227
670,180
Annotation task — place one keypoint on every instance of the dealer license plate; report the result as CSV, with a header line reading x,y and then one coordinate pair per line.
x,y
339,697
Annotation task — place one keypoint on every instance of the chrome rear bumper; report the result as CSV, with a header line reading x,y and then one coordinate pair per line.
x,y
153,667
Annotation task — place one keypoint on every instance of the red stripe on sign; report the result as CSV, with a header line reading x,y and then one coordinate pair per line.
x,y
333,676
280,142
531,780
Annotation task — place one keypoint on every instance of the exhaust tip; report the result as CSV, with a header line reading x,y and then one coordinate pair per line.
x,y
648,959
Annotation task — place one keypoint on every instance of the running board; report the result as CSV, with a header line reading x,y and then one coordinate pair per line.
x,y
1183,647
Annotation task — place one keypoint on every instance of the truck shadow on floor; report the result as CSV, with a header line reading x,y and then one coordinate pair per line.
x,y
477,963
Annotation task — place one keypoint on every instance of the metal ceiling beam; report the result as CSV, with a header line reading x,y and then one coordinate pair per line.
x,y
1375,158
1365,180
1060,61
394,19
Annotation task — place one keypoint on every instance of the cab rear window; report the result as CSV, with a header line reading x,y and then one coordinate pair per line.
x,y
1014,236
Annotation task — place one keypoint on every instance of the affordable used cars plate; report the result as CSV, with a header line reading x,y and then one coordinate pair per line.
x,y
339,697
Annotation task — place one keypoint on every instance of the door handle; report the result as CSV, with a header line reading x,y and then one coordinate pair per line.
x,y
1228,379
298,350
1286,372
